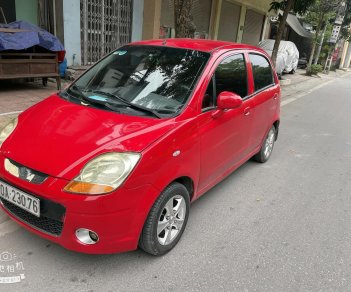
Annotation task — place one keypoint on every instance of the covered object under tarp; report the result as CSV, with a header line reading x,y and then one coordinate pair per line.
x,y
26,35
27,51
287,58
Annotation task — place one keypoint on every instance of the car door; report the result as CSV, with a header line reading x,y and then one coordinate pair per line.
x,y
266,96
225,134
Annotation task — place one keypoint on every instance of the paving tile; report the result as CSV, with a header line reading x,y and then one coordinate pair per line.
x,y
18,96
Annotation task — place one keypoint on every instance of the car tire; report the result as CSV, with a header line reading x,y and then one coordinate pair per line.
x,y
267,146
166,220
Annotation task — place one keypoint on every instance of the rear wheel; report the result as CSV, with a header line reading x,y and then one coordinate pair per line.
x,y
267,146
166,221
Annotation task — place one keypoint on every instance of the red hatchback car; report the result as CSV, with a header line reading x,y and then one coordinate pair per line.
x,y
113,162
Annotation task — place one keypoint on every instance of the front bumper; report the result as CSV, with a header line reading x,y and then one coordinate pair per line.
x,y
117,218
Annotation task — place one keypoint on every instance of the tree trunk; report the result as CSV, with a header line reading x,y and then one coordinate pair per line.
x,y
320,22
183,20
320,45
281,28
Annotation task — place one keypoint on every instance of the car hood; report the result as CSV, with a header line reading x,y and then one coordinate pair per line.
x,y
58,137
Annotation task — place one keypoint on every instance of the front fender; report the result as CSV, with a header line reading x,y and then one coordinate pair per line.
x,y
176,154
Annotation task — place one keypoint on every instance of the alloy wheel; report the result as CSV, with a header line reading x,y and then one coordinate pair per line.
x,y
171,220
269,143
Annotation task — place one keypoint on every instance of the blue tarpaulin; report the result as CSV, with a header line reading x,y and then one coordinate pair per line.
x,y
31,36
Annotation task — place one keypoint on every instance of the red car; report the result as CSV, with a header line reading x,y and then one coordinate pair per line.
x,y
113,162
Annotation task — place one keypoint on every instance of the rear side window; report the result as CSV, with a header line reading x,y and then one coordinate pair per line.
x,y
262,71
231,75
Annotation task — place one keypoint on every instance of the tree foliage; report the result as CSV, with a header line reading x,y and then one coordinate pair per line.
x,y
321,12
298,6
345,32
183,19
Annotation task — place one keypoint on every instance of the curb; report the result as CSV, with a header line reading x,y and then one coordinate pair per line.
x,y
302,94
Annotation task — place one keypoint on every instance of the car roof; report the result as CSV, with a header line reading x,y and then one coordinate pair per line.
x,y
197,44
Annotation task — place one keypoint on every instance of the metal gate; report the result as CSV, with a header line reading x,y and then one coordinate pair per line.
x,y
253,27
105,26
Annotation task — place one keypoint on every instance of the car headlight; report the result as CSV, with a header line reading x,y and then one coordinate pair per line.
x,y
103,174
7,130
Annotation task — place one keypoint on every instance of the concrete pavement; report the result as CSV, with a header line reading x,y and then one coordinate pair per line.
x,y
300,84
16,96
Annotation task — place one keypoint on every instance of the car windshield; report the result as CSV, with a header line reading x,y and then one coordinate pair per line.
x,y
141,80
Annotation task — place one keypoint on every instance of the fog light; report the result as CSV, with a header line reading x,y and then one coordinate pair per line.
x,y
87,236
94,237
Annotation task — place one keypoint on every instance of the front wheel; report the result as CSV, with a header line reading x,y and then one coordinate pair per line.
x,y
267,146
166,221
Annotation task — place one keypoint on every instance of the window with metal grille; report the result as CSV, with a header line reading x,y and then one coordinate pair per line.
x,y
105,26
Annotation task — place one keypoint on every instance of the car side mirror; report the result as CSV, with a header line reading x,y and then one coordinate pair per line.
x,y
228,100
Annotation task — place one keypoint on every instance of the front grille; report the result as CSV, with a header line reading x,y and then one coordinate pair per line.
x,y
25,173
50,220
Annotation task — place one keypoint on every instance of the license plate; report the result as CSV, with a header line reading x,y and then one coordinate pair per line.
x,y
20,199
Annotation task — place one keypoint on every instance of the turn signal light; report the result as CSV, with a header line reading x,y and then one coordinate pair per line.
x,y
87,188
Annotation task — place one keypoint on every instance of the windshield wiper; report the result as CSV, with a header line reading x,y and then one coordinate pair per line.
x,y
85,100
82,97
113,102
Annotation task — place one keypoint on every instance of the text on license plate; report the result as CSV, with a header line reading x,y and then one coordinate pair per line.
x,y
20,199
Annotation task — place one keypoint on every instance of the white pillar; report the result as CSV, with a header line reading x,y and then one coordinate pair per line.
x,y
71,25
215,17
138,18
241,27
265,27
343,55
151,19
348,57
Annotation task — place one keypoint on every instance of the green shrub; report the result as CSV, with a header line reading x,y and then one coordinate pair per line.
x,y
314,70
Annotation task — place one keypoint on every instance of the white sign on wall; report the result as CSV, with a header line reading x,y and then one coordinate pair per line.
x,y
335,34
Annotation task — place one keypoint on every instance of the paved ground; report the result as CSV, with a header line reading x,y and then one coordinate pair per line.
x,y
17,96
280,226
299,83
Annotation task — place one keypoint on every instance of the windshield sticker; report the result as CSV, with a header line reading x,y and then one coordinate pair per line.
x,y
95,97
120,53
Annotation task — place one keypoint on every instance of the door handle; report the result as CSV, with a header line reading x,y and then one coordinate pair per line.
x,y
247,111
275,96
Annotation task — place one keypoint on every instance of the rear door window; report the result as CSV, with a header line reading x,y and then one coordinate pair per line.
x,y
262,71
